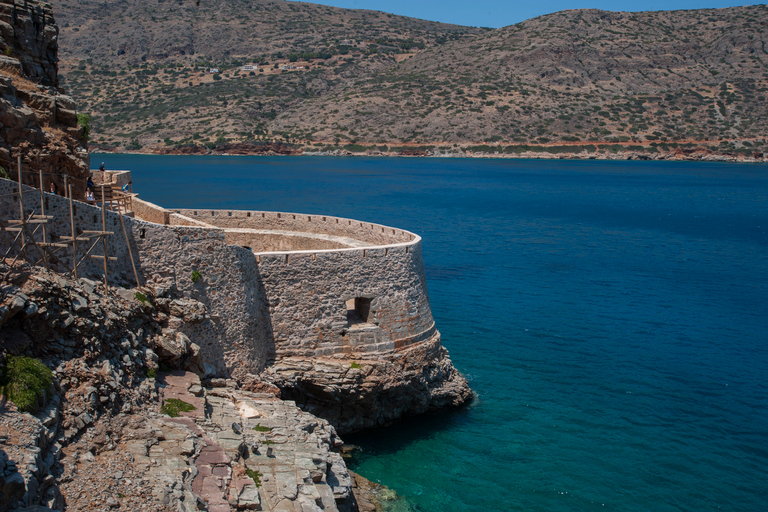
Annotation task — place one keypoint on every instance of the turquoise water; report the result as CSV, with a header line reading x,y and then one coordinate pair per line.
x,y
611,316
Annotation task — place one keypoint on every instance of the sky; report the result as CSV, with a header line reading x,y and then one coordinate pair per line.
x,y
500,13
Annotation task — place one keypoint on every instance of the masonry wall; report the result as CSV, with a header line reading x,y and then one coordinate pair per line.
x,y
150,212
373,234
307,295
263,306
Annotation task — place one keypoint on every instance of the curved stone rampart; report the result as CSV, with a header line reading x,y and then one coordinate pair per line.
x,y
340,301
365,233
319,271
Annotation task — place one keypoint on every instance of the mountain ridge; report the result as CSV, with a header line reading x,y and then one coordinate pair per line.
x,y
580,77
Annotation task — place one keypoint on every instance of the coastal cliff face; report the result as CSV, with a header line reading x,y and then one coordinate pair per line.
x,y
37,121
373,393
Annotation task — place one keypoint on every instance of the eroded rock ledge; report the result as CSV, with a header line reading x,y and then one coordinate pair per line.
x,y
356,395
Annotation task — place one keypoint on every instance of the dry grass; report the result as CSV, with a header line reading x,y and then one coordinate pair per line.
x,y
20,81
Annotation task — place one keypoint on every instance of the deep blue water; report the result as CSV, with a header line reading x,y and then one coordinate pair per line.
x,y
611,316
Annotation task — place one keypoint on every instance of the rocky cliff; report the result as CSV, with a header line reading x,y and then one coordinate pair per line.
x,y
373,393
37,121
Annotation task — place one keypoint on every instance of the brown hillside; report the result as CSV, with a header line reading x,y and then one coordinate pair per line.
x,y
578,76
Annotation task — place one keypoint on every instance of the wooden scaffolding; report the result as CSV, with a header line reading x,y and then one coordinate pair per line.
x,y
28,227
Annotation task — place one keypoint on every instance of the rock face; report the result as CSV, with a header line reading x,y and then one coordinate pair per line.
x,y
29,33
373,393
37,120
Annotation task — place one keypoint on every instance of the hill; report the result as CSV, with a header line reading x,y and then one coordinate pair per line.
x,y
365,79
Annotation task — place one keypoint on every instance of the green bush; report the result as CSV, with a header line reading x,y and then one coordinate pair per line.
x,y
196,276
141,298
260,428
84,120
355,365
173,406
23,382
255,475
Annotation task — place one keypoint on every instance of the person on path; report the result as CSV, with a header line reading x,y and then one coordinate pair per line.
x,y
54,188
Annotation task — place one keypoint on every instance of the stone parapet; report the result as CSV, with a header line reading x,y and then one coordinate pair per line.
x,y
370,233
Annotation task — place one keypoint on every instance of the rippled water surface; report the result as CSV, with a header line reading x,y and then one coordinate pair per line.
x,y
611,316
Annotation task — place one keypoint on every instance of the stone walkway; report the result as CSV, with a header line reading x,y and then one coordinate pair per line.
x,y
350,242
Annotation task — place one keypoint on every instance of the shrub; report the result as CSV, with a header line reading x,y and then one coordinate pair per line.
x,y
84,121
260,428
255,475
141,298
24,381
173,406
355,365
196,276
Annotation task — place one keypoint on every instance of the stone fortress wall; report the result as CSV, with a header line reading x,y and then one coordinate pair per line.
x,y
276,284
234,337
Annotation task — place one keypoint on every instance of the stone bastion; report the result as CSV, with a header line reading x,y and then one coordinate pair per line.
x,y
318,305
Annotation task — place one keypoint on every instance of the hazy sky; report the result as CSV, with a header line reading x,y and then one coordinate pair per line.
x,y
500,13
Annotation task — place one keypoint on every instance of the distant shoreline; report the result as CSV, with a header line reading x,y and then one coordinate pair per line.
x,y
697,154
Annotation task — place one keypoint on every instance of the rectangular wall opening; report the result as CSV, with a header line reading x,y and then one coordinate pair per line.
x,y
358,310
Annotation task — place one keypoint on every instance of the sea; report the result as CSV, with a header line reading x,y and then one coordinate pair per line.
x,y
611,317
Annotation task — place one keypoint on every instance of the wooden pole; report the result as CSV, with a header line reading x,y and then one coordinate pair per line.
x,y
21,212
42,212
130,252
72,224
103,236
